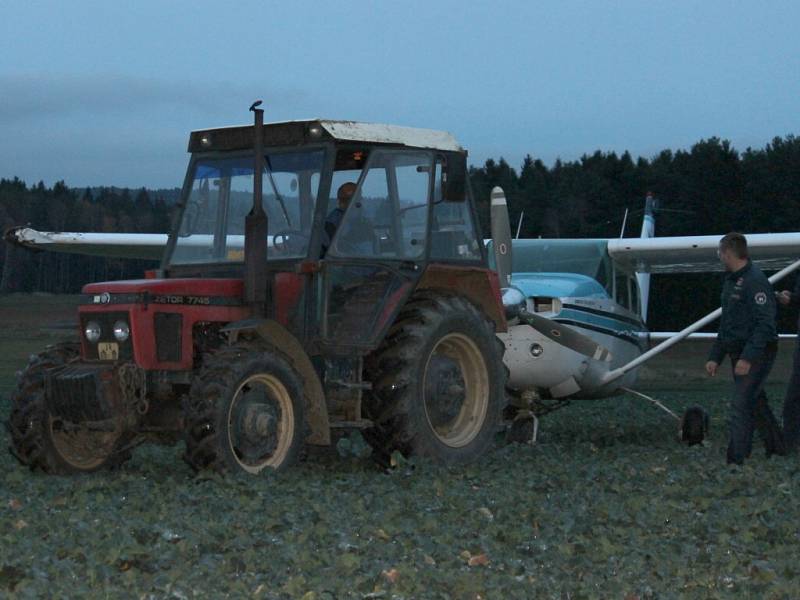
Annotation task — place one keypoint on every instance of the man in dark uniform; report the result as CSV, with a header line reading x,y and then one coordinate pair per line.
x,y
748,335
791,403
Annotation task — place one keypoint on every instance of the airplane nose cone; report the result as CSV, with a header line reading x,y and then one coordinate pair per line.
x,y
513,301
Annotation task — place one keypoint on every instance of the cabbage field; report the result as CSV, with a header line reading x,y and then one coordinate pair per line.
x,y
608,504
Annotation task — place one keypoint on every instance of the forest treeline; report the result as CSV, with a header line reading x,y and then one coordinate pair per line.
x,y
61,208
709,189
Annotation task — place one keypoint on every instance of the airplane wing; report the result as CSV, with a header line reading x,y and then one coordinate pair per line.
x,y
149,246
698,254
117,245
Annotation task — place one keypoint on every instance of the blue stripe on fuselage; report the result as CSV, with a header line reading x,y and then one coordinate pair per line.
x,y
606,320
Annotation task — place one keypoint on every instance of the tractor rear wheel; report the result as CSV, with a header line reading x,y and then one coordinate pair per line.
x,y
438,382
244,411
43,442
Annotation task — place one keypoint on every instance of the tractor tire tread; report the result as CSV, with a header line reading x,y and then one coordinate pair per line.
x,y
25,423
219,372
393,369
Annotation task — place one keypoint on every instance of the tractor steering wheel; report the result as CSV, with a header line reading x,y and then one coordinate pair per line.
x,y
289,242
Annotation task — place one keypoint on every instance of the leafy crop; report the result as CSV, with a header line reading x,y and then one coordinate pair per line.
x,y
607,504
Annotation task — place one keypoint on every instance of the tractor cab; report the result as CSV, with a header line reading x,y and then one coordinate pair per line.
x,y
355,213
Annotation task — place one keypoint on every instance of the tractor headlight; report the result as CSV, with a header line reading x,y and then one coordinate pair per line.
x,y
121,331
92,331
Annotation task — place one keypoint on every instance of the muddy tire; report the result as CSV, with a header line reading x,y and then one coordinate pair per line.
x,y
244,411
438,382
41,442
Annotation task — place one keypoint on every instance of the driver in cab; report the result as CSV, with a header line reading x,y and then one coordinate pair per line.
x,y
357,237
343,196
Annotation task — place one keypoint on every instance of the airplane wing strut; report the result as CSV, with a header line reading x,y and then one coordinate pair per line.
x,y
699,324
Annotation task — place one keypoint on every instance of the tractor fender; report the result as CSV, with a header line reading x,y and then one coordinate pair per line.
x,y
316,410
477,284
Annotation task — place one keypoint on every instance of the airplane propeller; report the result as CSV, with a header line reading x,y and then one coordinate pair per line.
x,y
501,236
514,299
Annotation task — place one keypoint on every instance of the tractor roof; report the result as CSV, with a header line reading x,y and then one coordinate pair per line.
x,y
308,131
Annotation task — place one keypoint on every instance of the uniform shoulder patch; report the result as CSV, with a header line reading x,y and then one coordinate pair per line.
x,y
760,298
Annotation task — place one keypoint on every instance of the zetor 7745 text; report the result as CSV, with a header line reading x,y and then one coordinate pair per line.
x,y
319,275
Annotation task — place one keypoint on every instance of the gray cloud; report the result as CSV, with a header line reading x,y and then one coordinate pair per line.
x,y
117,129
29,96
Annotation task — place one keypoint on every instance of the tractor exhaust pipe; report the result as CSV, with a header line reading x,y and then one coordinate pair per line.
x,y
256,227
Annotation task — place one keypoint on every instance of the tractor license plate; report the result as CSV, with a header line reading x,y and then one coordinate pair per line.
x,y
108,351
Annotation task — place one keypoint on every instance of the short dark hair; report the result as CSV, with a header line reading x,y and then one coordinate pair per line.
x,y
736,243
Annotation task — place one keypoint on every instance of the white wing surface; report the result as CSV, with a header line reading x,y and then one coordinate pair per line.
x,y
698,254
119,245
148,246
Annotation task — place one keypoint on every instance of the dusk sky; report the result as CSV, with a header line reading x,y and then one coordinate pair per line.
x,y
101,93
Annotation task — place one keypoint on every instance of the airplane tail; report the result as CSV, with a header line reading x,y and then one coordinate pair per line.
x,y
648,231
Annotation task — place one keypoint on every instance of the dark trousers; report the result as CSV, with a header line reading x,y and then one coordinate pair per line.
x,y
750,409
791,405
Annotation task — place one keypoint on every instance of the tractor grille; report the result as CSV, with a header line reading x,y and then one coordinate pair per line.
x,y
106,321
72,394
168,336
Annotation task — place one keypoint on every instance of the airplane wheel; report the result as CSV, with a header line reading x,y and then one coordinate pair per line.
x,y
438,382
694,425
523,430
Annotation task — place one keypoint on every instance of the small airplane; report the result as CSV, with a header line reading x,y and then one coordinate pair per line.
x,y
576,308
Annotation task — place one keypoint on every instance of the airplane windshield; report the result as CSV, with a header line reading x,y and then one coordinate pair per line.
x,y
212,222
583,257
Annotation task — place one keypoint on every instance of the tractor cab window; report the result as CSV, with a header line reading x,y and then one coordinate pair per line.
x,y
347,171
452,228
221,195
387,216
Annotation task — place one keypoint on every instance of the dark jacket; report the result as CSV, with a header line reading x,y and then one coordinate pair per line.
x,y
794,299
747,326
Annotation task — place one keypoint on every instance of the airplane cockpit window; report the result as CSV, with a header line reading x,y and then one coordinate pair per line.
x,y
626,291
634,294
622,290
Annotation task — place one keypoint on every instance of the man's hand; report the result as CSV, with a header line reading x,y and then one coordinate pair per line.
x,y
742,367
784,297
711,368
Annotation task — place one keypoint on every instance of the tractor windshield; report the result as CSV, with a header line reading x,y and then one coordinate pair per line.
x,y
212,222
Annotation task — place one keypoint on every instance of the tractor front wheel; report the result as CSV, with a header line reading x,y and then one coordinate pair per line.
x,y
244,411
46,443
438,382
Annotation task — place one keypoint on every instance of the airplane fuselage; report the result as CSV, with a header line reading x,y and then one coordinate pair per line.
x,y
538,363
539,358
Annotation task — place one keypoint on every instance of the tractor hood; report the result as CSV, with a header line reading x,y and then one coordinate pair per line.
x,y
166,291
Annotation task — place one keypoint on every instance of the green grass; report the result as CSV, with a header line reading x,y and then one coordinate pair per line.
x,y
607,504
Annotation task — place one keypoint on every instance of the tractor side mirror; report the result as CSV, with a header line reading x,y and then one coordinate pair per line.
x,y
454,178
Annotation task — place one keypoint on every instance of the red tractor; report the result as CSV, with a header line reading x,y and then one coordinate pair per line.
x,y
320,275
